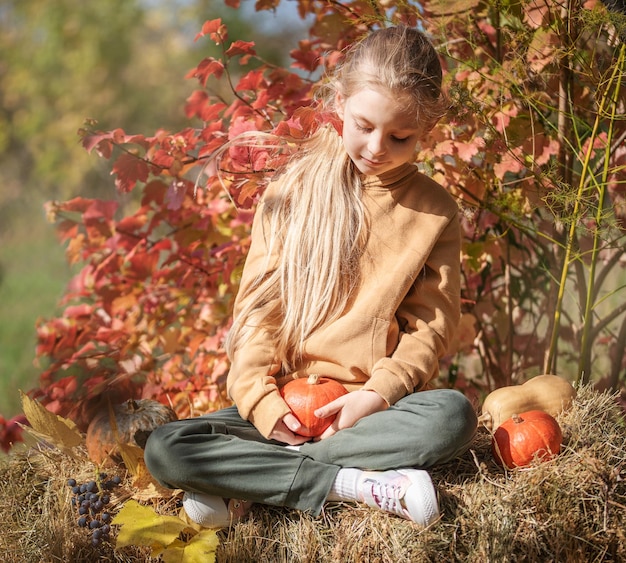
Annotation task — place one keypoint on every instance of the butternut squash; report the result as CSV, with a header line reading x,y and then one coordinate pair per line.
x,y
548,393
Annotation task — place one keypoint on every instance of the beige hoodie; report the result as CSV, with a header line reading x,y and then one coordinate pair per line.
x,y
402,319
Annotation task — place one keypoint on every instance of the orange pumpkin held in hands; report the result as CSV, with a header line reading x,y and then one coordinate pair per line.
x,y
524,437
305,396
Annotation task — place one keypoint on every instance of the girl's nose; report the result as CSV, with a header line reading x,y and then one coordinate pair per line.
x,y
376,145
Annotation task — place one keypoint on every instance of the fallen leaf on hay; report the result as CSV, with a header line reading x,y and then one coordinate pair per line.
x,y
46,425
142,526
147,487
200,547
132,456
151,490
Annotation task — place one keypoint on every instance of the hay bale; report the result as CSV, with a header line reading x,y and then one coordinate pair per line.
x,y
570,509
37,518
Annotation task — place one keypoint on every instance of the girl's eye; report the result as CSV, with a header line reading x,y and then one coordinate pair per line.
x,y
368,129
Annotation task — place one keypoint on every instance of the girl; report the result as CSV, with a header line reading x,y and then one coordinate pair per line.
x,y
353,273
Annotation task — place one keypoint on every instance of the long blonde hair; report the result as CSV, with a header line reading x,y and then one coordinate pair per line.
x,y
316,219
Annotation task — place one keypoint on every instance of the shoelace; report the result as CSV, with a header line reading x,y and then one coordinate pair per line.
x,y
388,496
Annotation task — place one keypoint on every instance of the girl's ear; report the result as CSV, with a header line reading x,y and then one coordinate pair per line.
x,y
339,103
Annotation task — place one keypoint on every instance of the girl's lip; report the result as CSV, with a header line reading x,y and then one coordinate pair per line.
x,y
372,163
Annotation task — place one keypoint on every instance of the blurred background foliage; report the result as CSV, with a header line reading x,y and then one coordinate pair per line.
x,y
119,62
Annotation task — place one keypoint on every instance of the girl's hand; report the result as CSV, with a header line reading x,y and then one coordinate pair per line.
x,y
350,408
286,429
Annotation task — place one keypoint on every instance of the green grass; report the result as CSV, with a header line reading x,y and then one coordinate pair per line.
x,y
33,274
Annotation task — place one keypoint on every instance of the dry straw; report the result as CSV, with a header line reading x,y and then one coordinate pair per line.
x,y
571,509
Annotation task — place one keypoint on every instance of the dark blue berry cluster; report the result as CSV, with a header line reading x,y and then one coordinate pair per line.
x,y
90,500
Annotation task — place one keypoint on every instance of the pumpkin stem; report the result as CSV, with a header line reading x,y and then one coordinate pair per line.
x,y
313,379
486,419
517,418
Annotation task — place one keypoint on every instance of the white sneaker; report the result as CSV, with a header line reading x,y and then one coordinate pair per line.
x,y
214,512
409,493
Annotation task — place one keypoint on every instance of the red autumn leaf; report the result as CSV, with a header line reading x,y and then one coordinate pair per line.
x,y
208,67
469,150
11,431
131,224
262,100
215,29
544,148
502,118
100,209
175,194
103,142
247,190
88,349
67,230
253,81
97,231
129,170
79,204
332,59
154,192
509,163
306,57
143,264
195,103
200,105
76,311
209,26
162,159
240,47
445,148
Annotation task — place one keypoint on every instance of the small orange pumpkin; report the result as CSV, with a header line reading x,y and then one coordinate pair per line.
x,y
525,437
304,396
124,424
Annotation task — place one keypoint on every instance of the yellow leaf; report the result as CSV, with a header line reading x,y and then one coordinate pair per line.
x,y
147,488
199,549
141,525
132,456
55,429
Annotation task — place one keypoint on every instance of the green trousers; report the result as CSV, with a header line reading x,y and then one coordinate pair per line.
x,y
221,454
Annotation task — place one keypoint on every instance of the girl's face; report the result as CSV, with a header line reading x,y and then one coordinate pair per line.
x,y
378,134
